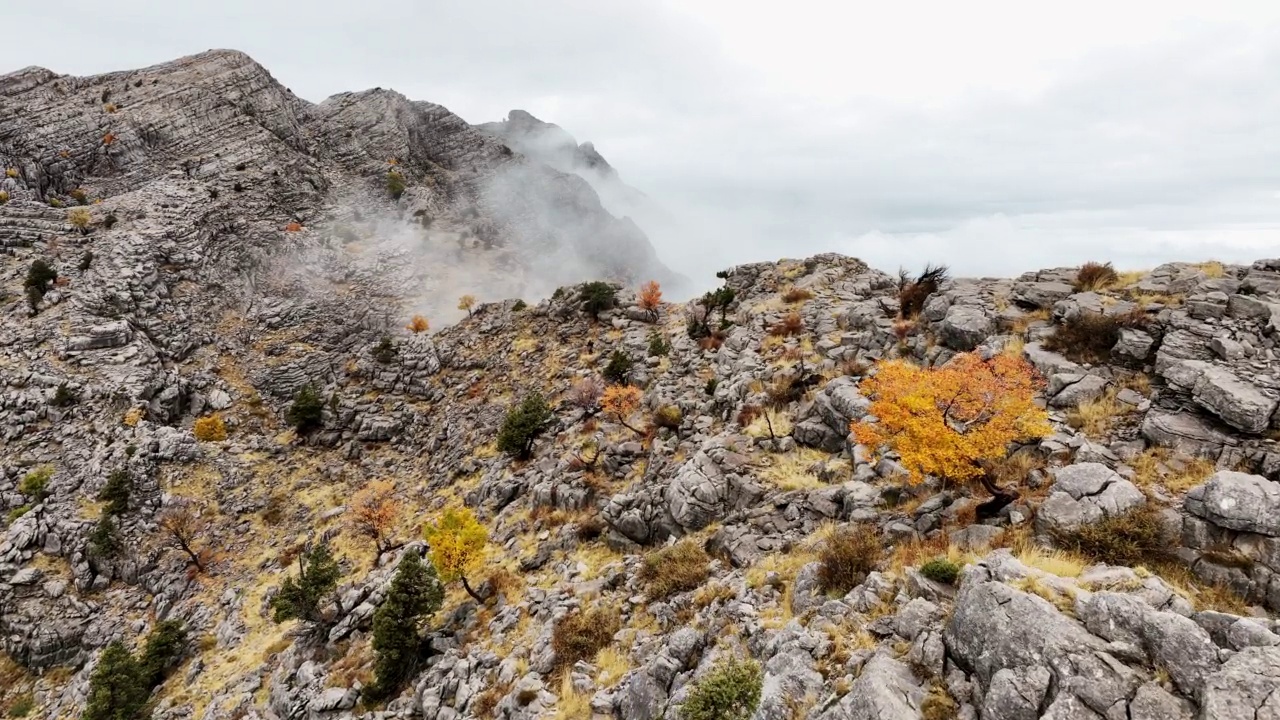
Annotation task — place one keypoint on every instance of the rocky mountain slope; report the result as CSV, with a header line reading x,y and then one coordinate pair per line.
x,y
158,382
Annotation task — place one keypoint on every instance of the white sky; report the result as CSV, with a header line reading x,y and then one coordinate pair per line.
x,y
994,136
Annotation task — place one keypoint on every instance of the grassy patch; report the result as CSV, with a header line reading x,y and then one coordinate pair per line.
x,y
1096,417
1128,539
679,568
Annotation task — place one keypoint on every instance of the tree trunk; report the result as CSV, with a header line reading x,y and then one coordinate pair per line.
x,y
466,586
1000,497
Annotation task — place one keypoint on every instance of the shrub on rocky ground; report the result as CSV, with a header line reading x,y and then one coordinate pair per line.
x,y
846,558
598,297
307,411
730,691
1136,537
941,570
679,568
1094,276
913,292
209,429
1088,337
523,424
583,633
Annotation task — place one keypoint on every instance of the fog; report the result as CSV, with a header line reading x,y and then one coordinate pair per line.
x,y
996,137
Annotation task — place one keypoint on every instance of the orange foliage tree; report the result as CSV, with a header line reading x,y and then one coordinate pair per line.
x,y
374,514
650,298
417,324
466,302
621,402
952,421
294,226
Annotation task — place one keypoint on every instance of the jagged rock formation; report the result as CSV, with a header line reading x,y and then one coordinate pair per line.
x,y
194,306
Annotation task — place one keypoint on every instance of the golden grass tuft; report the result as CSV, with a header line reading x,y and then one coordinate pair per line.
x,y
1178,473
209,428
792,471
1062,563
1096,417
571,704
1212,269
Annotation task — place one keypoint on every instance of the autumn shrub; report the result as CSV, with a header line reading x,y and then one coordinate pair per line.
x,y
466,302
293,227
620,402
1088,336
678,568
846,558
795,295
523,424
791,324
4,197
307,411
597,297
941,570
80,196
1094,276
11,172
457,540
914,292
583,633
1132,538
591,527
730,691
210,429
951,421
417,324
618,371
650,298
374,513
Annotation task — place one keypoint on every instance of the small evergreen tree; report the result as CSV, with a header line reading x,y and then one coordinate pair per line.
x,y
116,492
385,351
618,371
64,396
116,688
318,575
104,541
731,691
658,345
35,484
416,594
395,184
39,276
165,646
523,425
306,412
598,297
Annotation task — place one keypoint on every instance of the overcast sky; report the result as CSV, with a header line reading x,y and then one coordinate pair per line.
x,y
997,137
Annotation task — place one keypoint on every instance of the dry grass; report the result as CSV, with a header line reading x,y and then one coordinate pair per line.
x,y
1202,595
794,295
1093,277
1096,417
583,633
1089,337
792,471
1146,300
1062,598
1178,473
571,704
679,568
1062,563
847,556
761,422
1212,269
1129,278
790,325
1134,537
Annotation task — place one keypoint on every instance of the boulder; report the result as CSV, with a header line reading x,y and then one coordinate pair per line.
x,y
1240,404
1072,389
1185,432
1245,687
965,327
1083,494
1238,501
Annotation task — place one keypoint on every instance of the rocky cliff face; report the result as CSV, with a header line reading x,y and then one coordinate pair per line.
x,y
182,298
